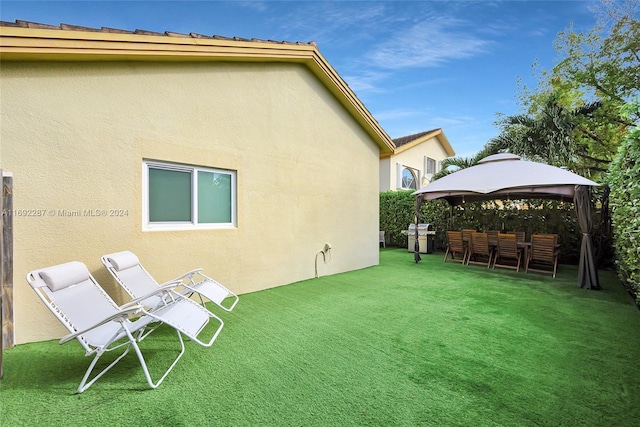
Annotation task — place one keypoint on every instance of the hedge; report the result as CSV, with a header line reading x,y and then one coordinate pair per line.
x,y
624,179
397,210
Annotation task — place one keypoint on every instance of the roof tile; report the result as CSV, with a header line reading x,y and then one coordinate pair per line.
x,y
407,139
28,24
68,27
115,30
148,33
77,28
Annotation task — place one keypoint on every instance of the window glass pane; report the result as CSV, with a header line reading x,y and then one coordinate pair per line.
x,y
169,195
214,197
431,165
408,179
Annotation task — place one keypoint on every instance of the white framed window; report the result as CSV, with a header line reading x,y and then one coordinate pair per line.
x,y
430,166
409,179
177,196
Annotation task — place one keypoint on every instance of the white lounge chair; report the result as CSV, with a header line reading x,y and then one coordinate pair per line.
x,y
100,326
125,267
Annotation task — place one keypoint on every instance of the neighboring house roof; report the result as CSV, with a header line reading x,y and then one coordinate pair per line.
x,y
23,40
406,142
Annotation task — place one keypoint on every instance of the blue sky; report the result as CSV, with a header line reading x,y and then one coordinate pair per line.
x,y
416,65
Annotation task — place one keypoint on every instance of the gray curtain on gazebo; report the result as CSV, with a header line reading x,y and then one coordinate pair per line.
x,y
587,272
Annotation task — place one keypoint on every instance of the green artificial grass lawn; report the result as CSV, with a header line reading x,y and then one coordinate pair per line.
x,y
397,344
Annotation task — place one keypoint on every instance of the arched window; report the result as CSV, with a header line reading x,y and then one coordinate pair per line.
x,y
409,179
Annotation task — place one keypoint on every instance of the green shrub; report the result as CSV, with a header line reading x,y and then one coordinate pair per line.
x,y
624,179
397,210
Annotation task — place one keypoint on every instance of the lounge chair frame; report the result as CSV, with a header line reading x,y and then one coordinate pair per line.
x,y
101,326
126,269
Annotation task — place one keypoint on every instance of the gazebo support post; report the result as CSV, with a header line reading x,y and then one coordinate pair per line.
x,y
416,219
587,272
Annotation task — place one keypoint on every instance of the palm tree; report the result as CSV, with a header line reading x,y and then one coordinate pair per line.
x,y
556,135
452,164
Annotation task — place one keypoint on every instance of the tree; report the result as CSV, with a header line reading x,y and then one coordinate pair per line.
x,y
572,117
605,62
556,135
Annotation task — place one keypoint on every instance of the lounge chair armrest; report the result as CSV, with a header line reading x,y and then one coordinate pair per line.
x,y
167,287
122,314
188,274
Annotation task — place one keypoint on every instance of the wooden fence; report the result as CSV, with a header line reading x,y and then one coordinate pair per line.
x,y
6,266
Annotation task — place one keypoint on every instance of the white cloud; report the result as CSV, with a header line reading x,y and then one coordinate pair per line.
x,y
365,81
333,22
427,44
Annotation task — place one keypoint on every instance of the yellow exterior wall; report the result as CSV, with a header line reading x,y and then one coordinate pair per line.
x,y
75,135
386,173
412,157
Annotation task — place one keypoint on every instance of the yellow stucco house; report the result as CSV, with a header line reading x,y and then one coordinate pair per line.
x,y
243,157
414,160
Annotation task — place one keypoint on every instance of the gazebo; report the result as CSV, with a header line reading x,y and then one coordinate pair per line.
x,y
505,175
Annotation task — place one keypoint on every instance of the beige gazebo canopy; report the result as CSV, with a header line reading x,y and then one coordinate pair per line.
x,y
505,175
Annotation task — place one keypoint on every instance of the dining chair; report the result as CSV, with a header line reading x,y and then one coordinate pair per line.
x,y
455,247
466,239
543,254
492,236
520,235
507,249
480,249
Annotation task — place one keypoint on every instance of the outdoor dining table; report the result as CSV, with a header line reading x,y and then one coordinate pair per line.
x,y
524,246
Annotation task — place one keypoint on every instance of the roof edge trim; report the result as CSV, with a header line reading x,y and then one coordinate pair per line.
x,y
24,44
436,133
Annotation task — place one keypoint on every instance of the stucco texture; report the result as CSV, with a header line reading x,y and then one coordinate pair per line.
x,y
75,135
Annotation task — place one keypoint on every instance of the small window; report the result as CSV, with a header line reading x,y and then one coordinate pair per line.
x,y
409,179
182,196
431,166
